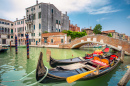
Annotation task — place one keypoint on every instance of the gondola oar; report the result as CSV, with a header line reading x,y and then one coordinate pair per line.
x,y
78,76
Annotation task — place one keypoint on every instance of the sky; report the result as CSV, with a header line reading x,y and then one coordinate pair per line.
x,y
111,14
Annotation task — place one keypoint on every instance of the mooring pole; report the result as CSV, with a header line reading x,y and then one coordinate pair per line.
x,y
122,56
10,45
27,42
125,78
16,49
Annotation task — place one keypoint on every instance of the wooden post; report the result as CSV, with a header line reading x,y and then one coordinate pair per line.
x,y
48,53
16,49
125,78
122,56
10,45
27,42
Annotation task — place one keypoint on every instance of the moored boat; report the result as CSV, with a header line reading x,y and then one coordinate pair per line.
x,y
60,73
53,62
3,49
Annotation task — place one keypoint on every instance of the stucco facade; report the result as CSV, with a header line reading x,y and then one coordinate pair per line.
x,y
6,32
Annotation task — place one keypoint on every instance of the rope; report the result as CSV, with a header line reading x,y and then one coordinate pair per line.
x,y
41,78
28,75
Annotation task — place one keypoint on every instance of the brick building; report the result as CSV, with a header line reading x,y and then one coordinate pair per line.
x,y
55,38
113,33
89,31
74,28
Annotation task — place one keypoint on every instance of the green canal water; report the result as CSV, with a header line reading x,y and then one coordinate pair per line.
x,y
14,67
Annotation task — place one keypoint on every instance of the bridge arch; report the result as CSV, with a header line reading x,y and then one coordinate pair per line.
x,y
99,39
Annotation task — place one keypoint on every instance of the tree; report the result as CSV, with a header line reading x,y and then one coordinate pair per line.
x,y
97,29
110,35
74,34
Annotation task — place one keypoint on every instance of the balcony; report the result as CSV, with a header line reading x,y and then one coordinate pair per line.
x,y
6,33
29,21
29,31
20,31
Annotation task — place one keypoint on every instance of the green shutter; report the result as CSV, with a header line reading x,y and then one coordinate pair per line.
x,y
11,30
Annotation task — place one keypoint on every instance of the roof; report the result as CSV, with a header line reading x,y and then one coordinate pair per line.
x,y
109,31
5,20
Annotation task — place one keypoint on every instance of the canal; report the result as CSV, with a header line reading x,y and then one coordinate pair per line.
x,y
14,67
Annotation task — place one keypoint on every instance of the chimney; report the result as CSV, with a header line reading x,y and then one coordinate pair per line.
x,y
24,17
16,19
90,27
36,2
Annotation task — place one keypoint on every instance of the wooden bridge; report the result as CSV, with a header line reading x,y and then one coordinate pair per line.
x,y
99,39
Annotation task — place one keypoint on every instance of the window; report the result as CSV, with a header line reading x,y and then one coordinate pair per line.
x,y
0,36
27,11
21,35
12,37
59,30
39,34
34,40
21,22
33,16
0,22
8,24
62,40
69,40
34,8
15,23
25,27
8,36
59,22
11,24
39,15
52,10
39,40
39,6
33,34
3,22
45,40
31,9
34,27
56,30
39,26
11,40
56,21
11,30
15,29
51,40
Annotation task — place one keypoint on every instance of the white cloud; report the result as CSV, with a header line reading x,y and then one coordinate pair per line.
x,y
101,19
128,17
90,6
127,1
105,9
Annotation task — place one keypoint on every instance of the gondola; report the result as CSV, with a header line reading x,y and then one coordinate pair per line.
x,y
60,73
53,62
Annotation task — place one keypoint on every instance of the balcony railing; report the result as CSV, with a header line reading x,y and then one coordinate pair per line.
x,y
20,31
29,21
8,33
